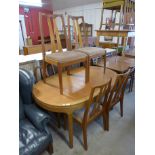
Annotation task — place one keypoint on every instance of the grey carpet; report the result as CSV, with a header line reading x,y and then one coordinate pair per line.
x,y
120,140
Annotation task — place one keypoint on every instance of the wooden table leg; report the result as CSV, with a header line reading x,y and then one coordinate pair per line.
x,y
60,78
70,127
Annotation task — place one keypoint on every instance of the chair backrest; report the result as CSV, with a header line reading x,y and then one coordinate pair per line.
x,y
76,31
53,30
93,106
26,81
117,91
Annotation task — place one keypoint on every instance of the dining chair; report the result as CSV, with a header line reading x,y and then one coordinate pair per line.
x,y
80,45
58,57
117,92
92,109
116,95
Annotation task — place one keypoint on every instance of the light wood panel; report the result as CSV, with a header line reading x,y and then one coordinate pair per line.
x,y
33,49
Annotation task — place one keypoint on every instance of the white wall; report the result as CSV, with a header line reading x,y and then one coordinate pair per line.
x,y
91,13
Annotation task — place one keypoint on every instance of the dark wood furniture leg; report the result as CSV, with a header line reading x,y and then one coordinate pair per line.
x,y
84,128
50,149
70,127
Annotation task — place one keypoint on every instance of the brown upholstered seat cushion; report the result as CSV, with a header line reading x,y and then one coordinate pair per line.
x,y
65,57
79,114
91,51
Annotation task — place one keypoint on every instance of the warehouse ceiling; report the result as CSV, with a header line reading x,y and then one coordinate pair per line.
x,y
62,4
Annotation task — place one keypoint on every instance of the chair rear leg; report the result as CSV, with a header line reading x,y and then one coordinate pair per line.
x,y
121,107
65,121
58,119
132,84
50,148
106,121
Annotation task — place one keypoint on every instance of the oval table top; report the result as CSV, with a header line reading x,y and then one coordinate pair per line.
x,y
76,92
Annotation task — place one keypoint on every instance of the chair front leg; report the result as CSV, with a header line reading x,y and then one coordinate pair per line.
x,y
84,128
106,120
60,78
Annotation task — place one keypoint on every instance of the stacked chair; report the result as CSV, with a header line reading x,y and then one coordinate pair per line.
x,y
91,52
59,58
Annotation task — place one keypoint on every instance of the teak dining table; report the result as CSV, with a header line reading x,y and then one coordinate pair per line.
x,y
119,64
76,92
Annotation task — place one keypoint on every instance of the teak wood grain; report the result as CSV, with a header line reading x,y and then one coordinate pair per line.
x,y
119,64
76,92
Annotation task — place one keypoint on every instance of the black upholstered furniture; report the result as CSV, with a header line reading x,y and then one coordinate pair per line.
x,y
34,134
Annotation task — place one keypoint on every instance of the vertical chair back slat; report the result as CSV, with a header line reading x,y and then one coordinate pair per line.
x,y
93,106
57,36
53,30
53,45
77,32
117,92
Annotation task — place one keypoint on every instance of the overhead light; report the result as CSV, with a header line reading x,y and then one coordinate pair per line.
x,y
37,3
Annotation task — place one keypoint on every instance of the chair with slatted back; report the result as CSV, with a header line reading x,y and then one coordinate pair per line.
x,y
117,91
92,52
59,58
116,95
92,109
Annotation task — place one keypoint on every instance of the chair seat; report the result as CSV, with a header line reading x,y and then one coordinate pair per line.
x,y
79,114
91,51
65,57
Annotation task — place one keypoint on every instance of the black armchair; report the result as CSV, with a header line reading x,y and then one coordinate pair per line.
x,y
34,134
